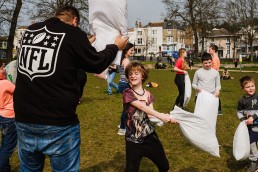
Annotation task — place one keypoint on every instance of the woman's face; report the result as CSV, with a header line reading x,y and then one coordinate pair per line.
x,y
130,52
184,54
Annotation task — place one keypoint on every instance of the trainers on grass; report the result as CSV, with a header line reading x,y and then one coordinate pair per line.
x,y
121,131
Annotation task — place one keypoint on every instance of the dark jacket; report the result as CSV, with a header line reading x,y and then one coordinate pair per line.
x,y
47,83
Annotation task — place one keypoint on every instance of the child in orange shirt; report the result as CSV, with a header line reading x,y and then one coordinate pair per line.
x,y
7,122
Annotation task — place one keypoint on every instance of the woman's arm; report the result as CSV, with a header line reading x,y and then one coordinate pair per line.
x,y
176,69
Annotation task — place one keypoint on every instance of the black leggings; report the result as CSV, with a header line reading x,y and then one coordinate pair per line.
x,y
150,148
180,83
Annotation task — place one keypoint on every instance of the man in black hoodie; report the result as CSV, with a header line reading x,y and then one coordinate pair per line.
x,y
46,93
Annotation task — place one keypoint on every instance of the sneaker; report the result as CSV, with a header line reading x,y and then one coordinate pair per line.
x,y
121,132
252,167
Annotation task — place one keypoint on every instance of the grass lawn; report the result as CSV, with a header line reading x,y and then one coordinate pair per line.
x,y
102,150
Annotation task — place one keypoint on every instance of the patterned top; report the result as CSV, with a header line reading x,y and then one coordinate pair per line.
x,y
121,73
138,125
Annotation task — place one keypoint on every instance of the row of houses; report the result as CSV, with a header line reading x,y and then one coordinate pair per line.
x,y
162,39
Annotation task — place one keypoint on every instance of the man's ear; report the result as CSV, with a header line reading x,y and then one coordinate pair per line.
x,y
75,22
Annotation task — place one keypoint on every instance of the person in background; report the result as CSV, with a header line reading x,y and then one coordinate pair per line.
x,y
123,83
2,66
247,109
190,63
7,122
141,138
110,77
225,75
213,50
46,93
180,69
235,62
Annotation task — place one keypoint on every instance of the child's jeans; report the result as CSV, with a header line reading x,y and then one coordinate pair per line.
x,y
8,141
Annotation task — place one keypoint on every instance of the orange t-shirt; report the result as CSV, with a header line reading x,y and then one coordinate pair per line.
x,y
215,62
6,99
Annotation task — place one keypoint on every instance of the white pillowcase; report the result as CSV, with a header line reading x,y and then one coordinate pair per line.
x,y
188,90
107,19
241,142
197,131
207,108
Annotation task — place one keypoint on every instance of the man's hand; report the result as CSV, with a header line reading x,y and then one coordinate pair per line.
x,y
92,38
121,42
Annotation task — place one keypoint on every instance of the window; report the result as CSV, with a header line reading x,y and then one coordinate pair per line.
x,y
154,32
139,32
139,41
228,49
169,39
228,39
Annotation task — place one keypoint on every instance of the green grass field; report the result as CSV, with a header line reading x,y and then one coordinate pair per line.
x,y
102,150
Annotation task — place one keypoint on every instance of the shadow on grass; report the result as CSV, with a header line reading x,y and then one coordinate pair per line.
x,y
116,164
232,164
192,169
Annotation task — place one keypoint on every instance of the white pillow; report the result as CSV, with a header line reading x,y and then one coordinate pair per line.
x,y
188,90
241,142
207,108
107,19
197,131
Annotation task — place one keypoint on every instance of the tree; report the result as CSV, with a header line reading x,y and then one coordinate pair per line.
x,y
198,14
10,11
12,30
40,10
231,22
247,10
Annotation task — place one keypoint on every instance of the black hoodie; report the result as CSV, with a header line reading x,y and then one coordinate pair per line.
x,y
47,86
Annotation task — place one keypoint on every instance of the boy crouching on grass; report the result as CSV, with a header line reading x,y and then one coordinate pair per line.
x,y
247,109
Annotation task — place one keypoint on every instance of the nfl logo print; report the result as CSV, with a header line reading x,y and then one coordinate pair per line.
x,y
39,52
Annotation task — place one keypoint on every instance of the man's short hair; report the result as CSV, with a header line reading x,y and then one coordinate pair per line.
x,y
67,13
214,47
206,56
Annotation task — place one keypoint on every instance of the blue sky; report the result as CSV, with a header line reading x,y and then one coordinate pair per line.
x,y
145,10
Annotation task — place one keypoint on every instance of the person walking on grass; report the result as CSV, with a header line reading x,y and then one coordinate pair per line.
x,y
247,109
123,83
141,138
111,74
47,94
179,68
213,50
